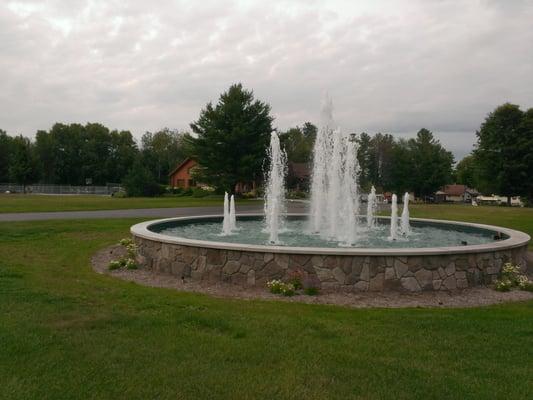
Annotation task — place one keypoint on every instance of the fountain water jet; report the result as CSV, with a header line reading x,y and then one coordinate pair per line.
x,y
321,159
232,215
275,189
371,208
334,184
226,223
404,224
394,218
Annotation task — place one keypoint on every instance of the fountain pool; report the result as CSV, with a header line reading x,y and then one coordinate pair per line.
x,y
433,257
333,247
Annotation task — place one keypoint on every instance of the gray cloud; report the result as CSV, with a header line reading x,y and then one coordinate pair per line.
x,y
390,66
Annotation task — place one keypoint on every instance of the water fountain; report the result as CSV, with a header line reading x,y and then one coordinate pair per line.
x,y
275,189
404,224
329,244
371,209
394,218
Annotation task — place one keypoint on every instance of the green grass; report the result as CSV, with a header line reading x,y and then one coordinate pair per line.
x,y
12,203
69,333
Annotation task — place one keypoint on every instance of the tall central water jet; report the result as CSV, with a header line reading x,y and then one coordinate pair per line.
x,y
321,159
275,189
334,184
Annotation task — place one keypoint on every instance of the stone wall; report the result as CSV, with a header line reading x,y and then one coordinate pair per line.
x,y
336,272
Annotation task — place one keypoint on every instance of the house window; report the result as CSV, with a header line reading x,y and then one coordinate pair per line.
x,y
181,183
192,183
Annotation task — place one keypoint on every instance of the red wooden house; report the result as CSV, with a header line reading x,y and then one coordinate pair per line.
x,y
181,176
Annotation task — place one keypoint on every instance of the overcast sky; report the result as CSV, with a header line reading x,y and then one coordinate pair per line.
x,y
389,66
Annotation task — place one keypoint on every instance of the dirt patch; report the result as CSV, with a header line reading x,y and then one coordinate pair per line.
x,y
472,297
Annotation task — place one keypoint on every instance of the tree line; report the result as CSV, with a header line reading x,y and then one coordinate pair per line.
x,y
230,139
91,154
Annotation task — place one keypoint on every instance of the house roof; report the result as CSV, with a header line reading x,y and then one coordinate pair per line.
x,y
454,190
184,162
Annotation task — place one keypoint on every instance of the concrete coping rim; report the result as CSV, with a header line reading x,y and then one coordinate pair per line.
x,y
515,239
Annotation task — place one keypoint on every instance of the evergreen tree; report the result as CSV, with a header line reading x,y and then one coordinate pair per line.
x,y
232,138
431,164
140,182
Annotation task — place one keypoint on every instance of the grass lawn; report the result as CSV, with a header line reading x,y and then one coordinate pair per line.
x,y
68,333
12,203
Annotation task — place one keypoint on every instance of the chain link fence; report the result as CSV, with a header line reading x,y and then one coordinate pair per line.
x,y
108,189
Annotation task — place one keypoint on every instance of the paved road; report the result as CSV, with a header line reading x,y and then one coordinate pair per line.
x,y
139,213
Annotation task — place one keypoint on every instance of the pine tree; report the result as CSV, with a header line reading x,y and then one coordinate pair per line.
x,y
232,138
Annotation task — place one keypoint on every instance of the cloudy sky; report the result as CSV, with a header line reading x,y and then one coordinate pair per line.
x,y
389,66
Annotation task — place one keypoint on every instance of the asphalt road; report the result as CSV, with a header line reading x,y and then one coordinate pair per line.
x,y
294,207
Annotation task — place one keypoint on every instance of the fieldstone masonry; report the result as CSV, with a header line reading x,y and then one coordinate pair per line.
x,y
329,272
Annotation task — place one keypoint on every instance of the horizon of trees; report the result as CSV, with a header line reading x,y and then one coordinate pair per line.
x,y
92,154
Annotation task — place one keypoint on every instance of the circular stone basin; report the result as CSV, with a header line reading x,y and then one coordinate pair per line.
x,y
295,233
433,257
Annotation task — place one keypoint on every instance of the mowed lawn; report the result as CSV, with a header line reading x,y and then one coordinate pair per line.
x,y
12,203
69,333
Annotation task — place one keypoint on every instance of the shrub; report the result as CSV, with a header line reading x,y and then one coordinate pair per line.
x,y
126,241
116,264
185,192
249,195
132,250
296,278
275,286
510,277
130,263
174,190
120,194
503,285
288,289
278,287
297,194
140,182
199,192
524,283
